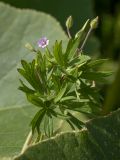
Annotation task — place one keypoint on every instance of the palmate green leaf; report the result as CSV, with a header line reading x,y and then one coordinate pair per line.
x,y
76,122
90,110
48,125
67,98
35,100
32,77
71,49
49,74
50,58
97,63
56,80
37,120
26,66
39,78
35,74
17,27
69,46
80,60
61,93
28,73
25,89
41,62
87,91
96,76
98,141
57,51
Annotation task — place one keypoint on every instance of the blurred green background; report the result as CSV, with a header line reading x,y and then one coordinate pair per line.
x,y
79,9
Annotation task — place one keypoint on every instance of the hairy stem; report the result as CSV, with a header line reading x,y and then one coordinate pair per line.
x,y
85,40
68,32
58,130
27,142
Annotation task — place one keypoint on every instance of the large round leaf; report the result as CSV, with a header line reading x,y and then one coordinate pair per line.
x,y
14,128
100,140
18,27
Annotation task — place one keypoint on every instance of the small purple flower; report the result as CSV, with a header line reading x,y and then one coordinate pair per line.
x,y
43,42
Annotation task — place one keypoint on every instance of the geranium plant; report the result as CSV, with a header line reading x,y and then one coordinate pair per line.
x,y
62,81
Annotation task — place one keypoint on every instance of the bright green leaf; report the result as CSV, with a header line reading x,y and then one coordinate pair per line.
x,y
97,63
60,94
96,76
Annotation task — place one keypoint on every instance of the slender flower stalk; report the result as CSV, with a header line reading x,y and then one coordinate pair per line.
x,y
27,142
69,24
69,34
85,40
93,25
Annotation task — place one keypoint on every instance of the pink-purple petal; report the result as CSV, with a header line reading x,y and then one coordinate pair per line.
x,y
43,42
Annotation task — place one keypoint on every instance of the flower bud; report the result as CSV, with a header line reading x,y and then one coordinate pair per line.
x,y
28,46
94,23
69,22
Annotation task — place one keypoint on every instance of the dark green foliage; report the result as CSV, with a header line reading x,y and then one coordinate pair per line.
x,y
82,9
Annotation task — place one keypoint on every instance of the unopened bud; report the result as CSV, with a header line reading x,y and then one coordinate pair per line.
x,y
69,22
94,23
30,47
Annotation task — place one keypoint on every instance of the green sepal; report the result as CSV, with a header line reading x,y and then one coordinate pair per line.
x,y
81,32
